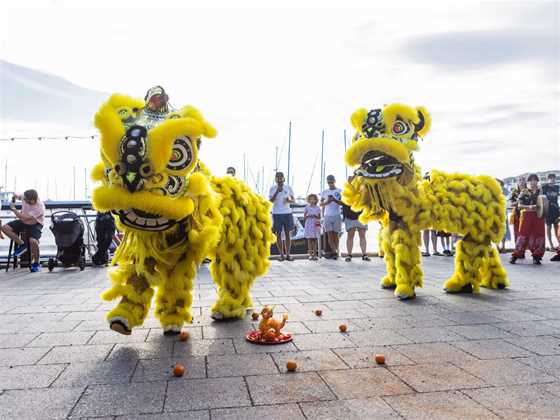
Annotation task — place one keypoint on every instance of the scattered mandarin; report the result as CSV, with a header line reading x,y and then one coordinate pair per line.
x,y
184,336
291,365
342,328
318,312
380,359
179,370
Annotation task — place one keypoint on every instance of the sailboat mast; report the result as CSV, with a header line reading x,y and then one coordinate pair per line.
x,y
289,148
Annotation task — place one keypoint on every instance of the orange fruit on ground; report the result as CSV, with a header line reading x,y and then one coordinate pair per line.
x,y
184,336
342,328
318,312
291,365
380,359
255,316
179,370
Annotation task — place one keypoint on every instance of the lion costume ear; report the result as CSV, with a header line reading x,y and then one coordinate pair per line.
x,y
358,118
110,125
208,130
425,123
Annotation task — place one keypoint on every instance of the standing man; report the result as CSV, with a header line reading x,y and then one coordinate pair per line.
x,y
30,221
281,196
331,204
551,190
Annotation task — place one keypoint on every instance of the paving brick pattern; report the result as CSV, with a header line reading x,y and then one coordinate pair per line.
x,y
496,355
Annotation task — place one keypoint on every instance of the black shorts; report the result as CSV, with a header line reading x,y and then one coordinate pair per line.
x,y
32,231
552,215
282,221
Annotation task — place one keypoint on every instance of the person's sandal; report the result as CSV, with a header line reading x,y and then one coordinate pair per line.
x,y
289,258
425,254
365,258
348,258
281,258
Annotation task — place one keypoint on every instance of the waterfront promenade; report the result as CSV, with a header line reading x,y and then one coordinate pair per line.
x,y
496,355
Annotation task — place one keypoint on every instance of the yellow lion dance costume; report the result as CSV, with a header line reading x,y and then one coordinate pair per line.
x,y
387,186
173,214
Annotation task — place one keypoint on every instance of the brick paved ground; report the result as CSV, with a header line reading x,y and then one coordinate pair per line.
x,y
496,355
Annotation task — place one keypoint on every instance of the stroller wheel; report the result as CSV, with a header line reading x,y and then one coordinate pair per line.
x,y
82,263
51,264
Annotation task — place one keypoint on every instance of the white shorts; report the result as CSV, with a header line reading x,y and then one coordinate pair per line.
x,y
332,224
353,224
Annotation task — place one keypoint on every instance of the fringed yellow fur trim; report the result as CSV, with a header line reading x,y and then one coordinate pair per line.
x,y
98,172
390,147
106,198
358,118
208,130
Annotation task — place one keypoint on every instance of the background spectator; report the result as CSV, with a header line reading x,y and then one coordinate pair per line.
x,y
352,224
30,222
507,234
281,195
445,243
331,203
513,203
104,231
430,234
551,190
312,220
230,171
531,227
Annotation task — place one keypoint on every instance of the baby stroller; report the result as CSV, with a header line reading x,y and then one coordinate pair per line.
x,y
68,231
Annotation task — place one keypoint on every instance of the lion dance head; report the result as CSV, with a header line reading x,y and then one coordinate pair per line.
x,y
149,176
382,155
385,139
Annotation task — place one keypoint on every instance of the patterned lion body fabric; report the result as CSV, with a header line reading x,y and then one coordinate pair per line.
x,y
174,214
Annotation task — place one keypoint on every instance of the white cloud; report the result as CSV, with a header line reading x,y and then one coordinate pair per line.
x,y
251,69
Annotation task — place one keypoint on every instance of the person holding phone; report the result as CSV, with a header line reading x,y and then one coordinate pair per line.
x,y
281,195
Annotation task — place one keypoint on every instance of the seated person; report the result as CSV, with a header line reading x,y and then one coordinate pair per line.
x,y
29,221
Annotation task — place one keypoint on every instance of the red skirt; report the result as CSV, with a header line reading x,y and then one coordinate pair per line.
x,y
531,234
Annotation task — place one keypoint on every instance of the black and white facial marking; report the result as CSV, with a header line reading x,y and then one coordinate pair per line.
x,y
183,154
174,185
374,125
142,220
377,165
133,152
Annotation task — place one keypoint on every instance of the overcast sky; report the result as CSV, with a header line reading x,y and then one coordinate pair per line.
x,y
487,71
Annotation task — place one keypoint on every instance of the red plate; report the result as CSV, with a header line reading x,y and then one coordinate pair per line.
x,y
255,337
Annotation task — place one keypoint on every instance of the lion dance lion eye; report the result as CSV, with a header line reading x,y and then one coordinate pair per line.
x,y
400,128
174,185
182,155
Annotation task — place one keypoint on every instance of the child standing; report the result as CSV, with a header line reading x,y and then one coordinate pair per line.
x,y
312,220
